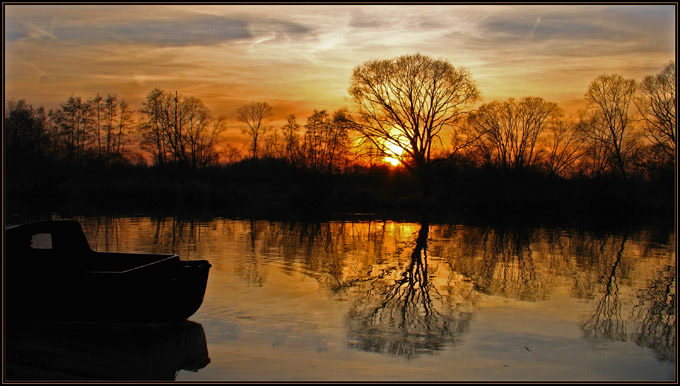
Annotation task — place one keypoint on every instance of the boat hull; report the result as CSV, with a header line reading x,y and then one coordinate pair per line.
x,y
173,295
59,284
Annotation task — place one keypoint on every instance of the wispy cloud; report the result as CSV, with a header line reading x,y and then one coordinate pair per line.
x,y
306,53
194,30
533,30
582,25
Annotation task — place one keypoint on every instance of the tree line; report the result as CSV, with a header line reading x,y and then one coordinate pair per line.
x,y
413,108
627,129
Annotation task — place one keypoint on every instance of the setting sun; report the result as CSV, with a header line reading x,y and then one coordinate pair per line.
x,y
391,161
394,152
425,192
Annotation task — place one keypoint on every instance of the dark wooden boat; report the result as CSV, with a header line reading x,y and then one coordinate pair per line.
x,y
51,273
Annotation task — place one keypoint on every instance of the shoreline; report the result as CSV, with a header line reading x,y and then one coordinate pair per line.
x,y
291,194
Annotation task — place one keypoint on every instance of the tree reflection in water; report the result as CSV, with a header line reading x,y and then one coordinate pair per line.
x,y
606,322
500,263
250,268
652,320
412,299
407,315
655,312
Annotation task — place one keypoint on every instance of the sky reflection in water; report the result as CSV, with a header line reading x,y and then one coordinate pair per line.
x,y
381,300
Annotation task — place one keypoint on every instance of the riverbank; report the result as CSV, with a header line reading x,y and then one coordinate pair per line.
x,y
275,190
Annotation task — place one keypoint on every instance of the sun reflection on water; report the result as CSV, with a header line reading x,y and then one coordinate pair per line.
x,y
416,290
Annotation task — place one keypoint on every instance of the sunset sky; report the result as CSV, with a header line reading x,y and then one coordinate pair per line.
x,y
300,57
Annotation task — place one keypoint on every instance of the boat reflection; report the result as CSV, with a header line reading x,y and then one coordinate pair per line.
x,y
95,351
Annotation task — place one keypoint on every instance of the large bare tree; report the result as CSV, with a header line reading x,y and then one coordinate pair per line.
x,y
179,130
609,98
325,144
404,104
657,104
564,145
507,132
254,115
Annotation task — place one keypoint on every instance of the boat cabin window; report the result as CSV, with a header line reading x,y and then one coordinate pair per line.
x,y
41,241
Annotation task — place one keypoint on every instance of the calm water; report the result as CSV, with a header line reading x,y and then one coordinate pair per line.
x,y
388,301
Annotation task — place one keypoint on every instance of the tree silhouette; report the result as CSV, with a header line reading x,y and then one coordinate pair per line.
x,y
25,129
180,130
97,101
291,138
564,145
124,125
110,112
325,143
609,98
254,115
507,132
657,104
405,103
70,119
151,126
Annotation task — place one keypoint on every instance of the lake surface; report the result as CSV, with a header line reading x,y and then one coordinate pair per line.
x,y
399,301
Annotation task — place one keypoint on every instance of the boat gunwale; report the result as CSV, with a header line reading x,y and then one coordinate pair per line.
x,y
136,267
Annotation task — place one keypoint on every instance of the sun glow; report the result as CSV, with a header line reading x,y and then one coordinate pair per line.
x,y
394,153
391,161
